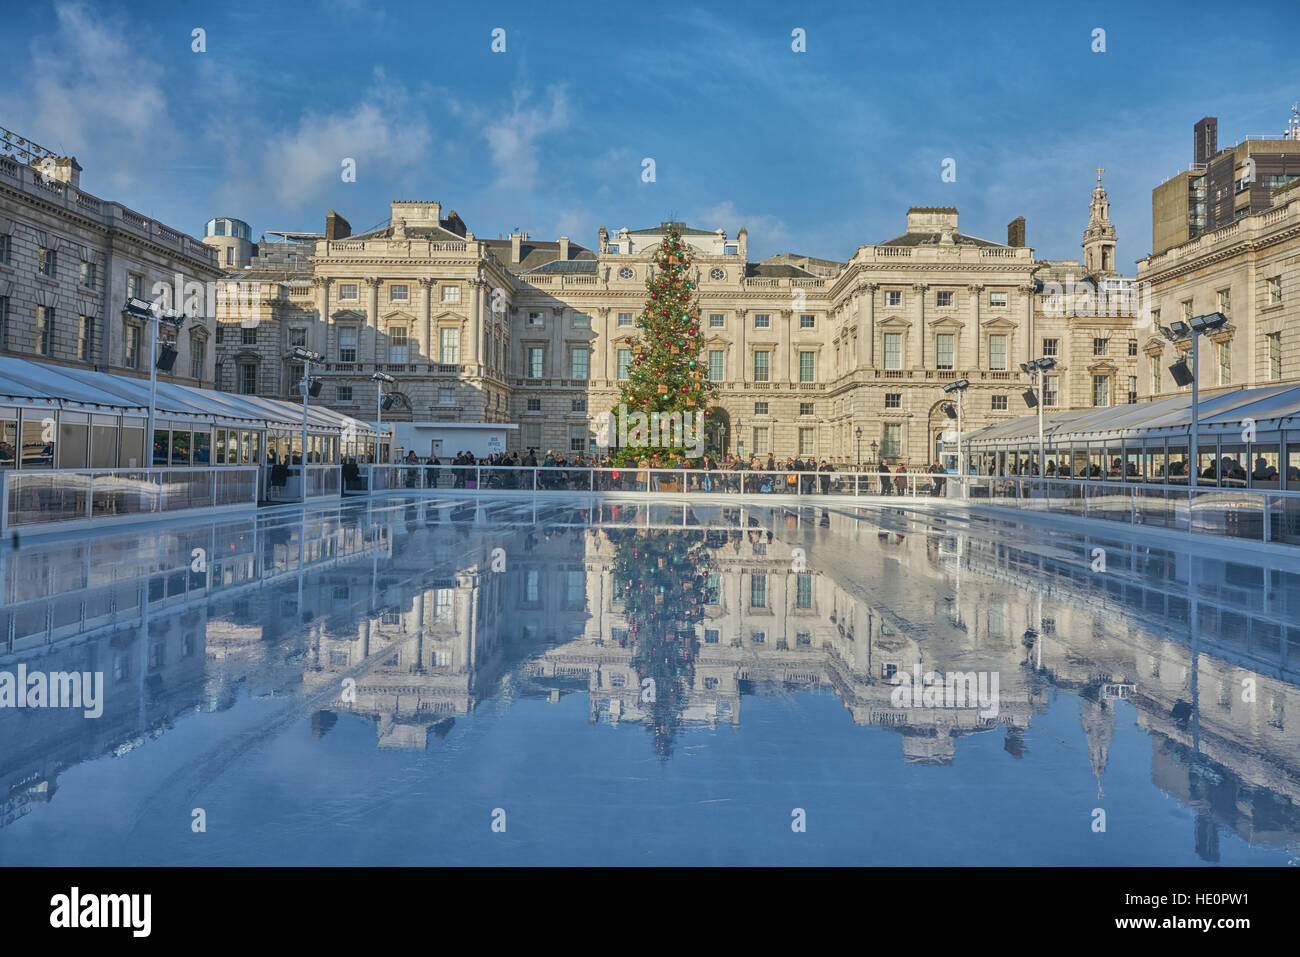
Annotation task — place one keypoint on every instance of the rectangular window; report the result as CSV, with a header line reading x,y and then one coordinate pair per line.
x,y
399,293
1155,375
1225,302
943,299
893,400
805,408
577,438
1274,290
893,298
1274,355
1187,310
807,442
534,367
625,357
762,321
248,378
536,320
449,347
1101,390
999,403
892,446
131,349
446,395
1132,389
47,263
944,344
248,336
298,337
86,339
4,249
716,372
581,320
997,299
532,435
717,320
88,275
343,393
1100,347
1051,391
625,318
397,344
347,343
4,322
578,364
348,292
198,357
1052,347
760,408
533,405
807,322
998,352
760,440
577,405
1225,363
807,367
757,590
893,350
761,360
451,293
134,285
221,333
1132,348
45,330
803,590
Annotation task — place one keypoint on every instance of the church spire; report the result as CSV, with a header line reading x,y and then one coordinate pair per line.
x,y
1099,237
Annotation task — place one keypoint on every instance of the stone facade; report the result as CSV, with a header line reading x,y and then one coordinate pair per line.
x,y
1250,272
68,263
808,351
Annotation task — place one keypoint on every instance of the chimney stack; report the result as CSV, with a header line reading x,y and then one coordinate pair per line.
x,y
516,240
564,248
1016,232
1207,139
336,227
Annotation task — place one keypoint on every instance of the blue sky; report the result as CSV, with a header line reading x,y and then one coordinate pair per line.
x,y
814,152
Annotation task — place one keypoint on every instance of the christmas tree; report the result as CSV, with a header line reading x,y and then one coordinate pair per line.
x,y
667,382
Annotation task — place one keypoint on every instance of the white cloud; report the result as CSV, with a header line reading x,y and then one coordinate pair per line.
x,y
92,89
514,137
766,232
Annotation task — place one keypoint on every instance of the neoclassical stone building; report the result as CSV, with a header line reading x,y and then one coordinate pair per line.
x,y
69,261
808,351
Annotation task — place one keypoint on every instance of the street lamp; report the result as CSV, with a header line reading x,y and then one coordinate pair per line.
x,y
740,440
874,448
306,357
153,314
381,402
1037,369
959,388
1195,327
858,432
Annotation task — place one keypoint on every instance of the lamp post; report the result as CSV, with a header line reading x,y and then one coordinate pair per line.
x,y
153,314
874,449
1037,370
380,378
959,387
858,433
1195,327
307,357
740,440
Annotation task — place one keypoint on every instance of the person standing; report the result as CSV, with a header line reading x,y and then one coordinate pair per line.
x,y
884,477
937,471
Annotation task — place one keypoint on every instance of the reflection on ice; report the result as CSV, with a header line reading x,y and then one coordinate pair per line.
x,y
670,619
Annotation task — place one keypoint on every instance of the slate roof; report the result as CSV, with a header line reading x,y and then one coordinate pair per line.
x,y
932,239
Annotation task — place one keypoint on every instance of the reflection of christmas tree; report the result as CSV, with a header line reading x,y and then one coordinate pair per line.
x,y
662,574
666,374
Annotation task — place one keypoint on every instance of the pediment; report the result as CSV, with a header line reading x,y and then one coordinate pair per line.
x,y
448,316
1000,324
348,315
894,322
398,315
947,323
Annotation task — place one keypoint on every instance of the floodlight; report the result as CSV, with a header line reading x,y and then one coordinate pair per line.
x,y
139,308
306,355
959,386
383,377
313,390
166,358
1031,398
1045,363
949,410
1182,375
1180,328
1208,322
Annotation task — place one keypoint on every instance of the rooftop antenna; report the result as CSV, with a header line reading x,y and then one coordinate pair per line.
x,y
1293,131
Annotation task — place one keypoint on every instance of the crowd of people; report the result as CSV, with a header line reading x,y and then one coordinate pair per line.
x,y
707,473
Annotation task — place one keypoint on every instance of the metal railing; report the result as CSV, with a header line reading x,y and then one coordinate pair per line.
x,y
63,496
1261,515
380,478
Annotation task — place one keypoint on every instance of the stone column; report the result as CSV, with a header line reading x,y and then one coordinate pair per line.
x,y
372,316
918,344
322,338
742,364
975,290
558,365
869,346
606,338
789,372
431,345
1027,330
474,348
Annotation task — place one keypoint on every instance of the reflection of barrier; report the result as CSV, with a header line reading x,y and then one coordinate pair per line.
x,y
1260,515
322,481
381,478
62,499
